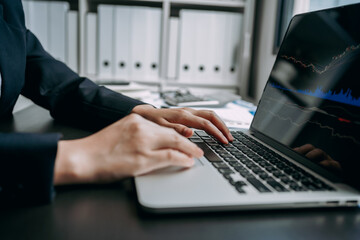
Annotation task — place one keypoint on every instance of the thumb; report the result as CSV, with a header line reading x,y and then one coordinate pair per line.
x,y
181,129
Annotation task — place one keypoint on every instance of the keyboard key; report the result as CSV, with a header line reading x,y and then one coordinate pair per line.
x,y
240,183
194,137
221,151
225,155
285,180
236,164
239,155
227,176
263,175
250,158
213,144
246,174
270,168
258,171
298,176
296,187
206,138
258,185
220,165
226,170
278,174
208,153
277,186
240,189
230,160
201,133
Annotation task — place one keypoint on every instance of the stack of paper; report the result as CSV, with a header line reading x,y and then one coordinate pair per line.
x,y
234,115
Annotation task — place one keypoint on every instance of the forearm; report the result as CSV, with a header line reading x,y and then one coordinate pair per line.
x,y
69,97
26,168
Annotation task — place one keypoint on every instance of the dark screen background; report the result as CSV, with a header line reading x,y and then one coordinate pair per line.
x,y
312,98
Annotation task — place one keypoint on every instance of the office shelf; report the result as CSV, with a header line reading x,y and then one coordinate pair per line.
x,y
169,7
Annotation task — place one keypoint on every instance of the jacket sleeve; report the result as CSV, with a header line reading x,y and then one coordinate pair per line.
x,y
26,168
70,98
27,160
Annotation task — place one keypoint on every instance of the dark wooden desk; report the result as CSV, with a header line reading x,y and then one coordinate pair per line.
x,y
111,212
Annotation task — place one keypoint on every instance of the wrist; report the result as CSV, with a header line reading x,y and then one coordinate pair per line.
x,y
65,170
142,109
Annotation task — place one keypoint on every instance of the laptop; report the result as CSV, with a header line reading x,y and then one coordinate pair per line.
x,y
303,146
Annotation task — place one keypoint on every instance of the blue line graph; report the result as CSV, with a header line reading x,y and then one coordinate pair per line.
x,y
344,96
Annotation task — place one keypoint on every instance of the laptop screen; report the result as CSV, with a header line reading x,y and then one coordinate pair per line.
x,y
311,102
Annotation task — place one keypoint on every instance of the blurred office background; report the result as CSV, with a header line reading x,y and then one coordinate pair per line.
x,y
203,45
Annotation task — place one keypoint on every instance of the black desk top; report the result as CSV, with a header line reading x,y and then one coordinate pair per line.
x,y
111,212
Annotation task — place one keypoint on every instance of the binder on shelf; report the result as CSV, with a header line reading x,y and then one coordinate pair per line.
x,y
38,21
173,53
57,29
105,50
138,43
202,46
91,44
187,47
218,41
153,38
26,7
72,40
122,43
232,58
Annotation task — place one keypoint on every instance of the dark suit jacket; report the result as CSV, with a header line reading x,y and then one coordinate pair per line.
x,y
27,160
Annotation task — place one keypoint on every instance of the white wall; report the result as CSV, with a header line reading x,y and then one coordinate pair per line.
x,y
263,58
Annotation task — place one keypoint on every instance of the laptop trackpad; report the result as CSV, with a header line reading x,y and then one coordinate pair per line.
x,y
174,169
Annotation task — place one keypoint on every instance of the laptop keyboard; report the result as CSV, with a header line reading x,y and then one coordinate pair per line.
x,y
257,165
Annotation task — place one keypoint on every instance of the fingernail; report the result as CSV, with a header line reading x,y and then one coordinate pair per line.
x,y
230,137
191,162
200,153
188,132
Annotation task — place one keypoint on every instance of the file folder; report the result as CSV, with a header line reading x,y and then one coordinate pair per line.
x,y
57,29
173,53
218,41
38,18
91,44
105,51
232,60
187,46
138,43
202,46
122,43
72,41
153,38
26,8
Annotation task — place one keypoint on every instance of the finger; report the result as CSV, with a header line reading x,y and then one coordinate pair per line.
x,y
216,120
304,149
331,164
169,157
316,154
169,138
194,121
183,130
165,158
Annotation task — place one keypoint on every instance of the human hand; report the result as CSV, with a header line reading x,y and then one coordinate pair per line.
x,y
181,119
319,156
131,146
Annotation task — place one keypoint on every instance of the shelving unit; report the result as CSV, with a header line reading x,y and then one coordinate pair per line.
x,y
168,7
